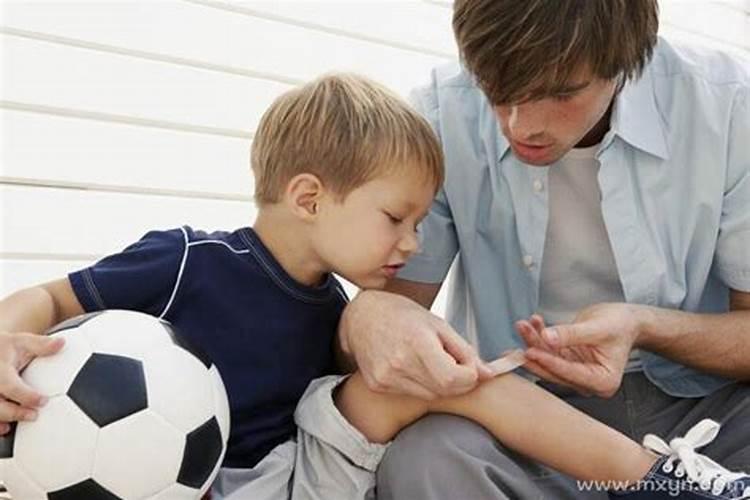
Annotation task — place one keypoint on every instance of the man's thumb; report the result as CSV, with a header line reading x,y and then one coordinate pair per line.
x,y
568,335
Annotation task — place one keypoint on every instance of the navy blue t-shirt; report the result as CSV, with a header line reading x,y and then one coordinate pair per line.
x,y
268,335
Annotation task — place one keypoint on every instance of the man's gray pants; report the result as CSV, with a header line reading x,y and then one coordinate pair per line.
x,y
443,457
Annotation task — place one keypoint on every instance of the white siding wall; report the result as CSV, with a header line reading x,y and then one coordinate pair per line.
x,y
119,117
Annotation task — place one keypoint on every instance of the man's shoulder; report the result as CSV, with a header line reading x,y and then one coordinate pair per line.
x,y
699,66
449,82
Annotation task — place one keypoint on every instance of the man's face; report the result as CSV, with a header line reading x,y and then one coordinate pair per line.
x,y
541,131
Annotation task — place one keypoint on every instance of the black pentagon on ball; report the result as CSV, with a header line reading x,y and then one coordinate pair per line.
x,y
88,489
181,341
202,452
72,322
6,442
109,387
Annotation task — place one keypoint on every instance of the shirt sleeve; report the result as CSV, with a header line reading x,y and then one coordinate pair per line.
x,y
140,278
733,245
437,233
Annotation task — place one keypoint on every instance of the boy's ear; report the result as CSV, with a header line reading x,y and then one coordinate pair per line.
x,y
303,195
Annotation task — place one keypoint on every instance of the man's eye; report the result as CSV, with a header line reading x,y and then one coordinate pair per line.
x,y
563,97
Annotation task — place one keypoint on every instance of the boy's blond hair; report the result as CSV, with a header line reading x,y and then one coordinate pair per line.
x,y
346,130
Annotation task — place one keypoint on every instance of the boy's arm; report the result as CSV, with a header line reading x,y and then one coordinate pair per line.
x,y
23,316
36,309
521,415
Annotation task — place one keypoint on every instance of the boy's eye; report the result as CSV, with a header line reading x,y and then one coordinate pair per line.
x,y
393,218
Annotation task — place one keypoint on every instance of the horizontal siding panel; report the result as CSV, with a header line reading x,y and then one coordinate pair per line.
x,y
19,273
51,150
217,36
360,18
69,222
49,74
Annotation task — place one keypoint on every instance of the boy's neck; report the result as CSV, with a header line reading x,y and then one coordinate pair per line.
x,y
286,238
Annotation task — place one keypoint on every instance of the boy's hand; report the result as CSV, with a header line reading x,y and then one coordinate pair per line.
x,y
18,401
402,348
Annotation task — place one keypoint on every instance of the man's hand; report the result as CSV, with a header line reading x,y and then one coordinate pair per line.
x,y
401,348
18,401
589,354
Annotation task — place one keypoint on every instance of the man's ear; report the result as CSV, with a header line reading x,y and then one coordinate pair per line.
x,y
303,195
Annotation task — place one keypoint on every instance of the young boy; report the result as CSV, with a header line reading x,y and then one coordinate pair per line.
x,y
344,173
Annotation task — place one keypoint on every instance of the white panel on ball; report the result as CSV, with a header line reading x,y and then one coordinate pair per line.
x,y
180,400
23,486
44,448
149,445
52,375
174,492
221,403
126,333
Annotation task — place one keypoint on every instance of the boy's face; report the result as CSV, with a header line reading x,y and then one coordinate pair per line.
x,y
367,237
540,132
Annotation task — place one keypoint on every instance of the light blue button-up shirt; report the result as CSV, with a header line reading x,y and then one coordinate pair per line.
x,y
675,187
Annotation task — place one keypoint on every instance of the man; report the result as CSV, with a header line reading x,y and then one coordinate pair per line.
x,y
600,177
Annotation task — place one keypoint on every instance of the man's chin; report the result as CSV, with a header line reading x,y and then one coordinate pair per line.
x,y
541,158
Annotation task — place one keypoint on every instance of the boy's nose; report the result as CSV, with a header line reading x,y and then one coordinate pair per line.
x,y
409,243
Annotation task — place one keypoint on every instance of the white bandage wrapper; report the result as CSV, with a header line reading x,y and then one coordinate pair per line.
x,y
507,362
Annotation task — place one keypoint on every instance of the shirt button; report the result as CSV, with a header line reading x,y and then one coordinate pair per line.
x,y
538,186
528,261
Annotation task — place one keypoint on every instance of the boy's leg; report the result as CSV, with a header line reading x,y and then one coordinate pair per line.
x,y
270,479
520,414
444,457
464,458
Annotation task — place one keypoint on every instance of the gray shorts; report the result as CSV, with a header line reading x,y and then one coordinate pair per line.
x,y
328,460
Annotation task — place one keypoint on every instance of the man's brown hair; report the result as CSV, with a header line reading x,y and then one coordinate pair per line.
x,y
521,50
346,130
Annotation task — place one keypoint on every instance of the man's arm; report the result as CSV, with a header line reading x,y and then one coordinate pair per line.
x,y
713,343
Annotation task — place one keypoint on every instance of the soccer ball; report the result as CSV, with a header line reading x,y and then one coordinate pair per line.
x,y
133,413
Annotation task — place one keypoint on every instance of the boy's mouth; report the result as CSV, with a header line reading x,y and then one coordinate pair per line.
x,y
392,269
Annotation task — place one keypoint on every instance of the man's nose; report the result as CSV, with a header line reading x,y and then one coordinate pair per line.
x,y
526,120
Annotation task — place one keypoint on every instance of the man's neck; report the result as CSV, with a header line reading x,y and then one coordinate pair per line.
x,y
597,132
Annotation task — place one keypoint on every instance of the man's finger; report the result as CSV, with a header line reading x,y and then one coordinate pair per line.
x,y
528,335
464,353
576,374
537,321
448,377
585,333
15,389
532,336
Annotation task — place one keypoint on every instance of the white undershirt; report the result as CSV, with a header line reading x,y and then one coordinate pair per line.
x,y
578,268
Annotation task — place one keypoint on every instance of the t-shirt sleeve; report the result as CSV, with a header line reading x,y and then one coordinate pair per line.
x,y
140,278
733,245
437,233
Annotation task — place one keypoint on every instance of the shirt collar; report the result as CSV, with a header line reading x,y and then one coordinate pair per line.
x,y
635,118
